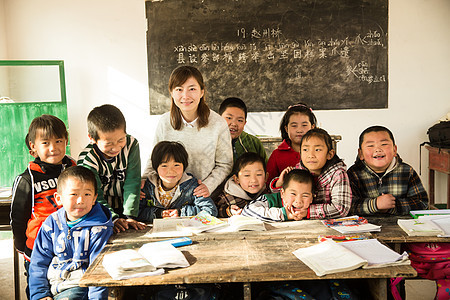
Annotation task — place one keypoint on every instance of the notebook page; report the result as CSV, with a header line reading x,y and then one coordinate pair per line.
x,y
329,257
373,251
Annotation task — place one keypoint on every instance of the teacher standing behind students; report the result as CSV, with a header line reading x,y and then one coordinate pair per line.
x,y
203,132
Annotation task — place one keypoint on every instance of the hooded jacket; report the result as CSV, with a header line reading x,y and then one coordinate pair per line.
x,y
33,201
62,254
234,194
183,200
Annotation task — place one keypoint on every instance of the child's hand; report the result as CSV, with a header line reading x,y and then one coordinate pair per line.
x,y
296,215
235,210
385,201
142,195
124,224
170,213
201,190
280,180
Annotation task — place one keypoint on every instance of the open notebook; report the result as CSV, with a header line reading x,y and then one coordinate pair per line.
x,y
330,257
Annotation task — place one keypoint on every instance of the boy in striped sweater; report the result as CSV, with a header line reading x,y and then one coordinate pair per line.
x,y
113,156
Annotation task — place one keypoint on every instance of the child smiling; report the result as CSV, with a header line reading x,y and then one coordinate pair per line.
x,y
291,203
380,181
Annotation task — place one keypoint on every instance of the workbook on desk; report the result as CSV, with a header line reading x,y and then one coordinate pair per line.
x,y
330,257
427,225
203,223
149,260
426,212
350,225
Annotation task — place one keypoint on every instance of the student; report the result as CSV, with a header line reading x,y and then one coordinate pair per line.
x,y
334,195
247,183
113,156
203,132
70,240
169,190
234,111
32,194
297,120
290,204
381,182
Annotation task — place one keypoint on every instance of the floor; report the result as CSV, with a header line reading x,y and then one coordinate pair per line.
x,y
415,289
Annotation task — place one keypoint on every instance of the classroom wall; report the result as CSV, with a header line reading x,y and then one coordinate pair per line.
x,y
103,44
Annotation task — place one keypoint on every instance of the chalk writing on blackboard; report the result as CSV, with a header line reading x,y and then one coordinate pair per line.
x,y
281,49
331,54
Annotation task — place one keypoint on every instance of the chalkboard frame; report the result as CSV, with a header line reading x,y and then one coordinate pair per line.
x,y
368,68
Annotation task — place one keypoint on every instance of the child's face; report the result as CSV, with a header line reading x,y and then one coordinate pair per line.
x,y
111,142
297,195
298,125
377,150
170,173
77,198
251,178
187,96
50,150
314,154
235,118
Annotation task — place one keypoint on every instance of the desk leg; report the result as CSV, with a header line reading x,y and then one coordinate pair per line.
x,y
431,187
448,191
378,288
247,291
16,274
115,293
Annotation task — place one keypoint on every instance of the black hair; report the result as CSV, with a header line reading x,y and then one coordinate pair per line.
x,y
375,128
232,102
246,159
178,77
49,126
323,135
165,150
299,108
78,172
27,141
105,118
298,175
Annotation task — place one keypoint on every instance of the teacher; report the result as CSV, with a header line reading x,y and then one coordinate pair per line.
x,y
203,132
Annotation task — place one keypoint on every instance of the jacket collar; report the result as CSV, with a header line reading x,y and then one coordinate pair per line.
x,y
285,145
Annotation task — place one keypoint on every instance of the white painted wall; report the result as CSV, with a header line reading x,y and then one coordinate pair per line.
x,y
103,44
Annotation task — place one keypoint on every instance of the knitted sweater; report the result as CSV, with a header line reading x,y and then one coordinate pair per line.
x,y
400,180
209,148
118,178
281,158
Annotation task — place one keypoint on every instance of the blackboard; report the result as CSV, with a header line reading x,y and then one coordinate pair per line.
x,y
331,54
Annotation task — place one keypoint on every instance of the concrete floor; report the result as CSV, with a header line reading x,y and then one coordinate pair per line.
x,y
415,289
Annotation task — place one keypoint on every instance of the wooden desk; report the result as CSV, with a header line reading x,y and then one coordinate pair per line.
x,y
242,257
438,160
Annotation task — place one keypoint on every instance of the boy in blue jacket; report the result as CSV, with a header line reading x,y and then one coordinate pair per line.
x,y
169,192
70,239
